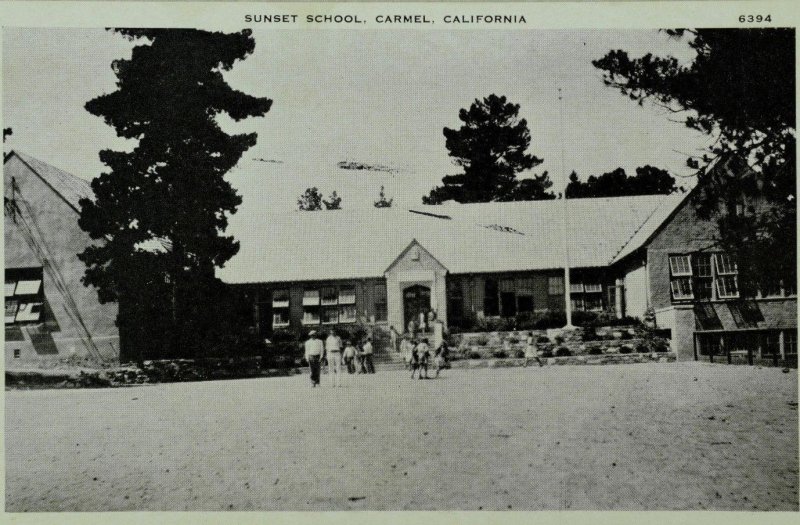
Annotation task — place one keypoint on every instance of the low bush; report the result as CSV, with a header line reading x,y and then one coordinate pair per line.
x,y
563,351
625,349
519,354
500,354
543,340
642,348
474,355
595,350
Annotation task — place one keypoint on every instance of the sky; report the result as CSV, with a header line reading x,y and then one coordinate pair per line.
x,y
377,97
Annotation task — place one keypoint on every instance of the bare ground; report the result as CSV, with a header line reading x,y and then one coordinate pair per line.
x,y
623,437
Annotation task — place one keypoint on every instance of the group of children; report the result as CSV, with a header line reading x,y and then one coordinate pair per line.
x,y
358,361
417,355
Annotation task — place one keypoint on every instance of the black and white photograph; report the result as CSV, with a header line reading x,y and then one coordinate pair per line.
x,y
432,260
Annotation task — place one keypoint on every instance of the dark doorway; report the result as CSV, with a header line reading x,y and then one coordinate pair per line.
x,y
416,301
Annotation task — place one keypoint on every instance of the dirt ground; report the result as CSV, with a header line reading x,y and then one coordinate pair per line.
x,y
623,437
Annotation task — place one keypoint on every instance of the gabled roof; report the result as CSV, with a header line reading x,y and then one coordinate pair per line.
x,y
597,228
71,188
659,216
464,238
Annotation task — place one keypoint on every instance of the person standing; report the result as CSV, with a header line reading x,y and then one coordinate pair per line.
x,y
349,356
394,338
333,349
367,352
423,355
406,347
313,354
530,351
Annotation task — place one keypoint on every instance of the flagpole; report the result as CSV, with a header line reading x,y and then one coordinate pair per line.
x,y
565,233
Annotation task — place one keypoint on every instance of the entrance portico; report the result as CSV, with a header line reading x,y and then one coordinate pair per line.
x,y
415,283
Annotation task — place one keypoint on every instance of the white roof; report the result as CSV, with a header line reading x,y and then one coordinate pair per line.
x,y
348,244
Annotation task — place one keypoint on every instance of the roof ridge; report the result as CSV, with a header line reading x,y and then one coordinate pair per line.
x,y
58,186
639,228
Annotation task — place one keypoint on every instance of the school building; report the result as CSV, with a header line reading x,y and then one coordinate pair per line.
x,y
466,261
387,266
49,313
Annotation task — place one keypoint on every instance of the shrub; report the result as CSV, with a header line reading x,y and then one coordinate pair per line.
x,y
625,349
563,351
547,353
474,355
481,340
642,348
543,340
660,344
625,335
519,354
500,354
595,350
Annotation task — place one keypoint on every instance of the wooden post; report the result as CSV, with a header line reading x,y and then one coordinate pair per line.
x,y
257,313
725,348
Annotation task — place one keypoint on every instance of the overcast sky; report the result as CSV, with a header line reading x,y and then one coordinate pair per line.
x,y
377,97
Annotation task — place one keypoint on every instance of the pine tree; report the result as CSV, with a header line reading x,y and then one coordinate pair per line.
x,y
170,189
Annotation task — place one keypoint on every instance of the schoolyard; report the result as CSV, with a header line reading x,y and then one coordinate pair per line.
x,y
622,437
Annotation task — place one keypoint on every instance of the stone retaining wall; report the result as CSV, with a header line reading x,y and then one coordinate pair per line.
x,y
579,341
608,359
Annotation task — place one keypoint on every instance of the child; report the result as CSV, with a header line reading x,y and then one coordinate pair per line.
x,y
530,351
423,354
349,357
414,358
406,347
441,357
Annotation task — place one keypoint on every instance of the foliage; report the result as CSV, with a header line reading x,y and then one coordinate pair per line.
x,y
625,349
563,351
500,354
739,89
382,201
334,202
169,191
7,132
595,350
310,200
491,148
648,181
519,354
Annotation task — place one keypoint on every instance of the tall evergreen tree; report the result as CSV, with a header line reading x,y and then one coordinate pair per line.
x,y
491,148
382,201
170,190
740,89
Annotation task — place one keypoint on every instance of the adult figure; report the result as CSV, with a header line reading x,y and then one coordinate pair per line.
x,y
406,347
333,350
394,339
422,326
412,328
313,354
367,352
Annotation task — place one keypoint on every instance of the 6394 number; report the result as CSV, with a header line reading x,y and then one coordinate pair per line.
x,y
754,18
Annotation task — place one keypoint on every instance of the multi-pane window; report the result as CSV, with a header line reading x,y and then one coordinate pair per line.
x,y
681,277
586,296
525,295
555,285
24,299
311,306
727,278
280,308
329,305
709,344
771,344
790,342
703,276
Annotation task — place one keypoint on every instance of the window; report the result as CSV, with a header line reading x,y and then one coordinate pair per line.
x,y
703,278
508,298
555,285
16,353
379,301
310,315
771,344
586,296
708,344
680,277
525,295
727,278
790,285
790,342
455,302
491,301
575,288
11,310
10,287
347,295
311,298
280,308
329,296
347,314
330,315
28,312
593,301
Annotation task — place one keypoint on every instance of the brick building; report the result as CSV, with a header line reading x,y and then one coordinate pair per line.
x,y
49,313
